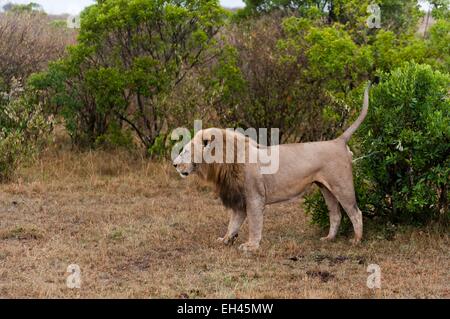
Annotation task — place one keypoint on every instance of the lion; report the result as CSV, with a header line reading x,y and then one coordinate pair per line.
x,y
246,191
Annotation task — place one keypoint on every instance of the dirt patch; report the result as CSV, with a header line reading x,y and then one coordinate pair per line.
x,y
324,276
336,260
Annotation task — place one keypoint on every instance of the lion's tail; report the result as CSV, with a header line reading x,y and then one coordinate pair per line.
x,y
352,129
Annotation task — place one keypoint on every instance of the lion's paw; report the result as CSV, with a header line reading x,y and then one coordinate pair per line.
x,y
355,241
248,247
227,240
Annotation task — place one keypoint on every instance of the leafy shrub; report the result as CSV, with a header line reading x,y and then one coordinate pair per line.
x,y
160,148
439,45
22,129
115,137
390,50
403,172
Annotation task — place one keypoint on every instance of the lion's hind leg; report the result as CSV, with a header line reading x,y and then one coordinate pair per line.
x,y
347,199
334,211
355,215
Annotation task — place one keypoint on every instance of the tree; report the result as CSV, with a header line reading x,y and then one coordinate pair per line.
x,y
130,56
27,44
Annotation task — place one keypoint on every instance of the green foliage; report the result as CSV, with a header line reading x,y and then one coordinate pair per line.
x,y
390,50
441,9
334,55
408,134
403,174
129,58
315,206
160,147
64,91
438,45
399,16
225,82
22,129
115,137
60,24
299,74
386,50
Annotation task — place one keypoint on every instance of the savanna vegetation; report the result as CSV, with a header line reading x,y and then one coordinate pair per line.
x,y
94,108
142,68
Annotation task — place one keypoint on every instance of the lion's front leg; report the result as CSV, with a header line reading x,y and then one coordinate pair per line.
x,y
237,218
255,213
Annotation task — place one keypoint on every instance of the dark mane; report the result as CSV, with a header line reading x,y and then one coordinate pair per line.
x,y
229,180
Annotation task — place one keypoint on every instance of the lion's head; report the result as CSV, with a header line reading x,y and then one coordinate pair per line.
x,y
193,154
206,155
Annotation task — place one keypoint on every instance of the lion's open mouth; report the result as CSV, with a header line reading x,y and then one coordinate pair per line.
x,y
184,174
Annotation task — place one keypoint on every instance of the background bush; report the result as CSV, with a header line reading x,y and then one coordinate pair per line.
x,y
286,73
28,42
23,129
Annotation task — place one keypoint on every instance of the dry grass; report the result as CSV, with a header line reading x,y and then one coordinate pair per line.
x,y
137,230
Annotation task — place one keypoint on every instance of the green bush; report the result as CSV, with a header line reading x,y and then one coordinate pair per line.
x,y
22,129
115,137
403,171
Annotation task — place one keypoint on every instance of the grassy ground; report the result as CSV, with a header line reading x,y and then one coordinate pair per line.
x,y
137,230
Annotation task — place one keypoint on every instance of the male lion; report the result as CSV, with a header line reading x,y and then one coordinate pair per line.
x,y
246,191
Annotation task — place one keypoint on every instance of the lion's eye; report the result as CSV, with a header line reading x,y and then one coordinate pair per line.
x,y
205,143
